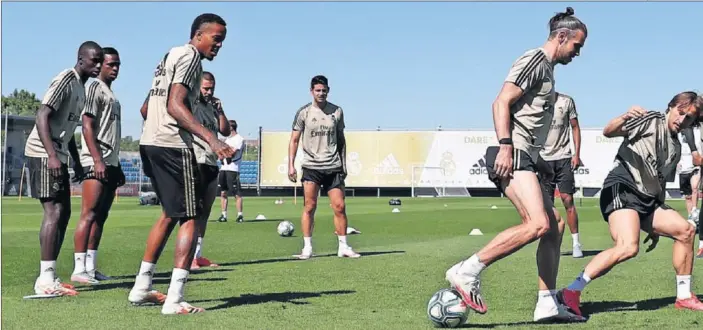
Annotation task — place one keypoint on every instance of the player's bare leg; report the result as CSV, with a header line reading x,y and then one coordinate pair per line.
x,y
572,219
57,213
96,234
142,292
208,201
223,206
90,209
240,206
525,192
307,219
336,197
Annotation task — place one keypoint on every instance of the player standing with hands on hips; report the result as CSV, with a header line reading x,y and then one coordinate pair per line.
x,y
320,124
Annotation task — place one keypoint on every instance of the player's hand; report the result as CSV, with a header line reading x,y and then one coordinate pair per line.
x,y
292,174
635,112
78,173
697,159
53,164
576,162
223,150
504,161
655,240
99,169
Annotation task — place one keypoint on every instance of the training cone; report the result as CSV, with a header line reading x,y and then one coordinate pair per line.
x,y
396,210
260,217
494,207
475,232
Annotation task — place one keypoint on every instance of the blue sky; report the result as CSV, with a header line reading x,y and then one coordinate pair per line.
x,y
394,65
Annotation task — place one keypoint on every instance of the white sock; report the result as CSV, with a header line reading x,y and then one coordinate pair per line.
x,y
239,213
472,266
547,299
575,239
47,271
580,282
700,244
683,286
224,214
78,262
307,241
146,273
179,277
91,258
199,247
342,242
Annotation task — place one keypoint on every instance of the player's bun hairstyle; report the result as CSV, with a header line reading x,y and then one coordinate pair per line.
x,y
319,79
110,51
566,20
205,19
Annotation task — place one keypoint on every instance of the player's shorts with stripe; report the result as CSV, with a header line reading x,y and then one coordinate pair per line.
x,y
326,179
563,177
228,181
44,185
685,182
618,196
176,178
114,177
521,162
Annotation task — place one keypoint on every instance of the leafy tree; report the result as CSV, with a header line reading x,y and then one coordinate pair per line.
x,y
21,102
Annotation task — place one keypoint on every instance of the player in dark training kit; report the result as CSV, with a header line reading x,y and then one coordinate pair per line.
x,y
47,150
209,114
100,157
320,124
634,193
522,113
166,148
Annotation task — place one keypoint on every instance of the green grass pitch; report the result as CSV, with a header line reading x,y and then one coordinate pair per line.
x,y
405,255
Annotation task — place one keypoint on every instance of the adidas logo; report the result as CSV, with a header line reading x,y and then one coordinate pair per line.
x,y
389,165
50,269
479,168
147,273
182,280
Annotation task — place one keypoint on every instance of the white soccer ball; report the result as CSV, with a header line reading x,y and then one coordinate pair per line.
x,y
285,228
446,309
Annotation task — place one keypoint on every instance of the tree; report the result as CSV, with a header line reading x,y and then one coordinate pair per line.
x,y
22,103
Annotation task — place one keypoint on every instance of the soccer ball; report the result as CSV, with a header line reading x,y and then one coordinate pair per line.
x,y
285,228
446,309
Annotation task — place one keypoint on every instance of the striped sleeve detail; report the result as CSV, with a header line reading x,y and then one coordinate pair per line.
x,y
634,122
59,89
525,69
92,103
299,120
187,69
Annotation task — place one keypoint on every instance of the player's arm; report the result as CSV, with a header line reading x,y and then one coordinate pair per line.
x,y
342,143
225,129
91,118
626,124
691,142
298,128
58,91
180,109
576,134
145,107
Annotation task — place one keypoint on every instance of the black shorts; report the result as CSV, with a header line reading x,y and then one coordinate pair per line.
x,y
176,178
521,162
326,179
44,185
114,177
563,177
685,182
228,181
620,196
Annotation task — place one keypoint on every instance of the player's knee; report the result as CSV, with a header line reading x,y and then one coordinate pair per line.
x,y
310,206
568,201
89,217
628,250
688,234
539,227
338,207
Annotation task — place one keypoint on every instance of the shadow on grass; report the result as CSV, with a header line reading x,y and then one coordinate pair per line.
x,y
596,307
166,275
586,253
282,297
129,284
266,261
